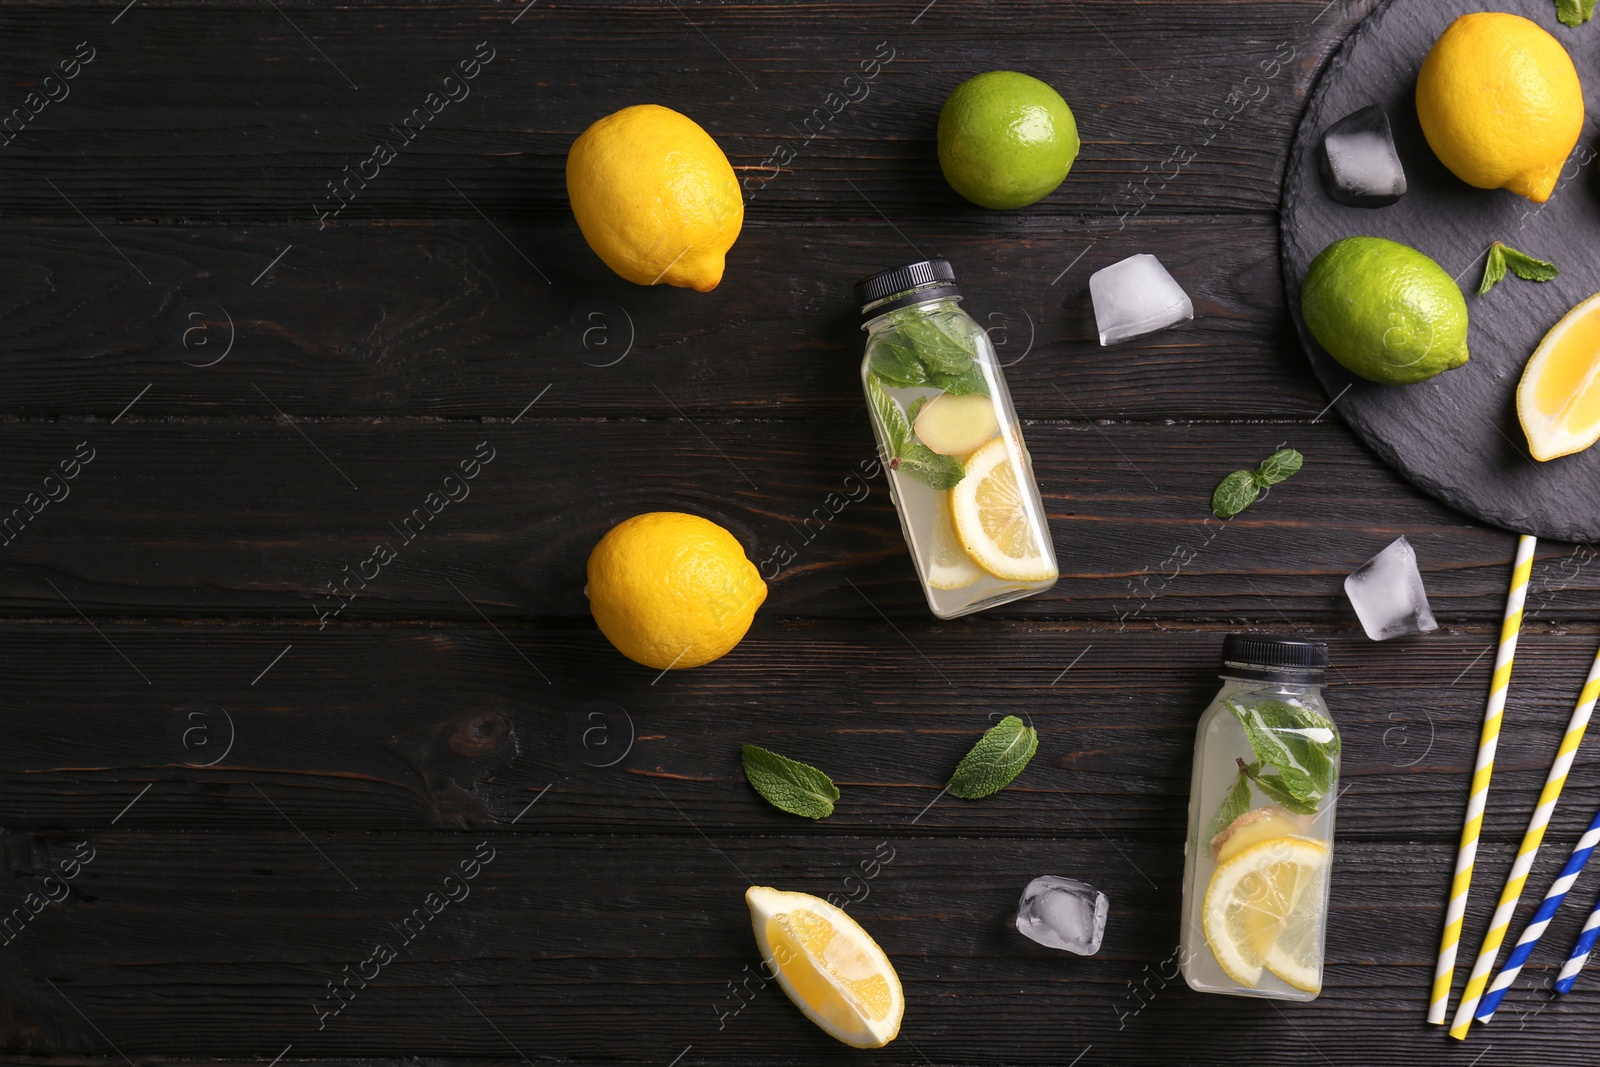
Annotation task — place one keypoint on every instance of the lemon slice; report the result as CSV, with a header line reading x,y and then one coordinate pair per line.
x,y
948,566
991,518
1292,950
1558,399
828,965
1263,911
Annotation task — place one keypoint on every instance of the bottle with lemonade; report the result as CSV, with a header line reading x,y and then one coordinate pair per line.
x,y
1260,845
958,470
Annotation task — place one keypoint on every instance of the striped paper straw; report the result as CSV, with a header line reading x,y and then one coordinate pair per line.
x,y
1580,950
1541,919
1478,794
1517,880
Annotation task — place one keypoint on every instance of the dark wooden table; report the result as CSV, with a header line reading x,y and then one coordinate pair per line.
x,y
254,390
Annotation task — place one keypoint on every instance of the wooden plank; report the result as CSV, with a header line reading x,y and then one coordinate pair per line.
x,y
183,944
291,512
393,728
448,320
254,115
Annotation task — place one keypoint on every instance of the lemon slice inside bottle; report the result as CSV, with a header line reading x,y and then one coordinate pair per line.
x,y
992,520
1263,912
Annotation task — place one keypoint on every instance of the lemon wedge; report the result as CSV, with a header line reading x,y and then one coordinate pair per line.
x,y
1558,399
1263,911
828,965
992,521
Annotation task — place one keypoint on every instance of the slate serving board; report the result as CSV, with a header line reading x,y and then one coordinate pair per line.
x,y
1457,436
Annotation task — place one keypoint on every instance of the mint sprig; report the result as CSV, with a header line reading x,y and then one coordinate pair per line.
x,y
998,757
1503,256
1239,490
1299,744
789,785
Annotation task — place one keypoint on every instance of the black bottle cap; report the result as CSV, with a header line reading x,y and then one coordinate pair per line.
x,y
1283,659
927,272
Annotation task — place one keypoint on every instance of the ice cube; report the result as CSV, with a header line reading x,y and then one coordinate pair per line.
x,y
1135,297
1063,913
1387,594
1359,165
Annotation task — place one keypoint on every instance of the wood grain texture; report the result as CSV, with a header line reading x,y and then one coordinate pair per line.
x,y
450,320
283,520
887,712
249,121
266,795
242,952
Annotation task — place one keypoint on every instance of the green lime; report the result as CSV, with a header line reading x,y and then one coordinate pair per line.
x,y
1005,139
1385,311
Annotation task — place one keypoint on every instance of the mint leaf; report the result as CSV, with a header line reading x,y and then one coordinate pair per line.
x,y
1235,805
1574,12
928,467
1494,268
1502,256
1291,737
905,451
915,409
1264,742
997,758
895,361
1291,790
937,349
789,785
967,381
1526,267
1280,466
896,429
1237,492
1310,737
940,339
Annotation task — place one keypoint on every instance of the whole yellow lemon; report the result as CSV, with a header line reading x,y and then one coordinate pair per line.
x,y
655,197
671,590
1500,103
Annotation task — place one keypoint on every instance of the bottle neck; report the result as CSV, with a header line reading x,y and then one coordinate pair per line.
x,y
923,301
1234,680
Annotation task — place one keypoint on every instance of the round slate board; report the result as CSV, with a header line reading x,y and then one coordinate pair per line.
x,y
1457,436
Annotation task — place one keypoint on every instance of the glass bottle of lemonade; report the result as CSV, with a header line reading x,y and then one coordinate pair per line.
x,y
1260,845
958,470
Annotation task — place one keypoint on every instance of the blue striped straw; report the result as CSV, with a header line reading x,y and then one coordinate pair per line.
x,y
1580,952
1541,919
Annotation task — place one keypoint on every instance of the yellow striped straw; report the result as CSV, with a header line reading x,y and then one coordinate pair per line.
x,y
1444,970
1527,852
